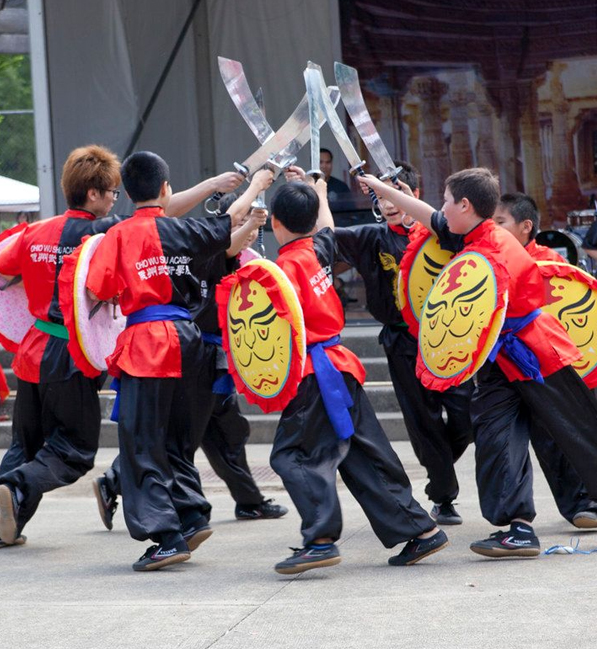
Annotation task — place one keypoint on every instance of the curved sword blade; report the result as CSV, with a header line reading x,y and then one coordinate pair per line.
x,y
234,78
347,79
332,118
311,83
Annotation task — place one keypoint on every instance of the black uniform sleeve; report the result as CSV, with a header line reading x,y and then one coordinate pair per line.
x,y
209,235
324,243
590,240
447,240
354,243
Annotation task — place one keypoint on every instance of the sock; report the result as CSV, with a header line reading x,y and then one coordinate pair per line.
x,y
521,529
321,546
170,539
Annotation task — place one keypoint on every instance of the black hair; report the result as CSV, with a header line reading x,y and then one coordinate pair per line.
x,y
479,185
322,150
523,208
143,174
296,206
408,174
226,201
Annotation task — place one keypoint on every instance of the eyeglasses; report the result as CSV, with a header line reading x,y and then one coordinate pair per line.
x,y
115,193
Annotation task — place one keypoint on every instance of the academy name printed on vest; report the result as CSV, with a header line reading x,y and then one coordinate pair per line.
x,y
162,265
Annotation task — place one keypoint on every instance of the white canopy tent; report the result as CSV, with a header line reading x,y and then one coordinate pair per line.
x,y
16,196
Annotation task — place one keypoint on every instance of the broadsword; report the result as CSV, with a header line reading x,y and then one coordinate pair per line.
x,y
259,202
314,109
347,79
235,80
338,130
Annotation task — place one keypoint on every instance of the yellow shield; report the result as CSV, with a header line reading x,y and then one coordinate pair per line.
x,y
265,334
571,296
415,282
461,319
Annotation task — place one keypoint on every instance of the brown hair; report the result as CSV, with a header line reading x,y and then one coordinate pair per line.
x,y
480,186
89,167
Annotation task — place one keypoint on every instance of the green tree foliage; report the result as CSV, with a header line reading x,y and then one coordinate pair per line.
x,y
17,136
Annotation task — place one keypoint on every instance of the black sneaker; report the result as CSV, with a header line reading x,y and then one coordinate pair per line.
x,y
266,509
158,557
585,519
519,542
309,557
195,536
9,511
20,540
445,514
417,549
106,501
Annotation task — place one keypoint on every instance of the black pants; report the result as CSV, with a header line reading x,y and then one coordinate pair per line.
x,y
504,413
56,430
307,454
224,444
438,444
160,426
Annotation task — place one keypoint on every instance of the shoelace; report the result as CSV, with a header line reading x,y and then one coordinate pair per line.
x,y
569,549
150,550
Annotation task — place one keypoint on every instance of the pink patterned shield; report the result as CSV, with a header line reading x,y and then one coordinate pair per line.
x,y
15,318
248,254
96,335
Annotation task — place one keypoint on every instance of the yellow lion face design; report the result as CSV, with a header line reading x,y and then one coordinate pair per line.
x,y
428,264
459,307
260,340
573,303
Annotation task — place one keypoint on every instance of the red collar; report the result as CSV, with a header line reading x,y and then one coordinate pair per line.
x,y
150,210
487,225
80,214
297,244
398,229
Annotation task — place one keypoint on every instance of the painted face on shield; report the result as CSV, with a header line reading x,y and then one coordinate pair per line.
x,y
459,307
573,304
260,340
428,264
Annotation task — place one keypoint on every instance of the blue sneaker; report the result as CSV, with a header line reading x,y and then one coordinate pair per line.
x,y
309,557
417,549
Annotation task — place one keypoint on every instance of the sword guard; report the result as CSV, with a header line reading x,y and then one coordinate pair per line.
x,y
244,171
357,170
213,199
315,174
259,204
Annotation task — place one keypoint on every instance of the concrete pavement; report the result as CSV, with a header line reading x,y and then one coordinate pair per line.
x,y
72,586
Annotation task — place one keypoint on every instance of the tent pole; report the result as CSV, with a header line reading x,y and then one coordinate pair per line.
x,y
41,103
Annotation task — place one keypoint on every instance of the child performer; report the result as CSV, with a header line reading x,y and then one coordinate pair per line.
x,y
159,358
227,431
518,214
317,436
555,396
437,444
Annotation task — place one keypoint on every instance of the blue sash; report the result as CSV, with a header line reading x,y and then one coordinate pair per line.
x,y
224,384
335,394
515,349
153,313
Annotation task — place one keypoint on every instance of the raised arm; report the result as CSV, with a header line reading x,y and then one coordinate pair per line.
x,y
261,180
183,202
400,198
257,219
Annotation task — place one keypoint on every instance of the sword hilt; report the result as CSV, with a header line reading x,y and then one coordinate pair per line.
x,y
357,170
315,174
260,243
216,197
